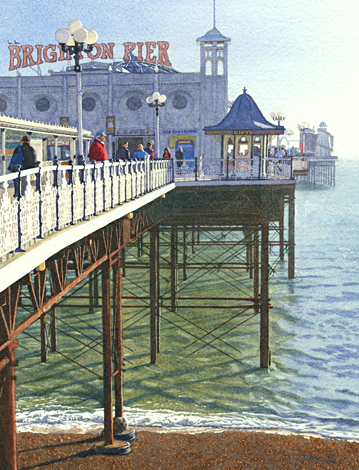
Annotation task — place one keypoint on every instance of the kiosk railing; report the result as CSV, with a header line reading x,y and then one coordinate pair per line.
x,y
256,168
35,202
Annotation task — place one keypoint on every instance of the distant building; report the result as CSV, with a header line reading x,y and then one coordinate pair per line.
x,y
119,90
318,144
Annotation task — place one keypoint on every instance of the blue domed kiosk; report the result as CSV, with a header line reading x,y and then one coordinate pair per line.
x,y
244,136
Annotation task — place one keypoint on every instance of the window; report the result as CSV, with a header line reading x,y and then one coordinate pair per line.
x,y
134,103
88,104
179,102
43,104
243,147
209,67
3,105
257,147
220,67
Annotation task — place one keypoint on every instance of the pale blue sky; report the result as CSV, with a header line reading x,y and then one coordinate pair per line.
x,y
301,56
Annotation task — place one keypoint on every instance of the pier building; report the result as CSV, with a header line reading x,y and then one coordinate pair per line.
x,y
118,90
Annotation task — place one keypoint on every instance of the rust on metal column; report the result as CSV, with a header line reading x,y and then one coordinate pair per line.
x,y
8,441
91,293
107,352
291,230
264,317
53,329
118,339
174,270
256,269
153,296
281,226
39,286
158,324
185,252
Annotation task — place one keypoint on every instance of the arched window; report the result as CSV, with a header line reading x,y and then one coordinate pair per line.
x,y
230,148
257,147
220,67
243,147
208,67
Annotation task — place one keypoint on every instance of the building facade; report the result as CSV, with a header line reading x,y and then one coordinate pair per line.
x,y
118,91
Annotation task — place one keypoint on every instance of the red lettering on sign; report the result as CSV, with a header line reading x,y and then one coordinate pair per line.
x,y
27,60
129,47
53,55
162,53
14,54
98,52
107,50
38,61
150,50
139,48
62,55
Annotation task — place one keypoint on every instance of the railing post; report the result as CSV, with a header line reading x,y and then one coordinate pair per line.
x,y
56,182
103,186
39,189
195,169
173,170
111,169
71,181
18,195
94,188
84,177
147,173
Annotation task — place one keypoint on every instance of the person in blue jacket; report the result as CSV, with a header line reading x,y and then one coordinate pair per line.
x,y
140,153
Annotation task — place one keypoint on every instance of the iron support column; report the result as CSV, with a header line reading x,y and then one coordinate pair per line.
x,y
158,291
153,296
185,252
281,226
107,352
8,454
291,226
264,320
118,339
174,270
256,270
53,329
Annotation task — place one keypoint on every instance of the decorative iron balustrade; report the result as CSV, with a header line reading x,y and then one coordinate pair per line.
x,y
52,197
256,168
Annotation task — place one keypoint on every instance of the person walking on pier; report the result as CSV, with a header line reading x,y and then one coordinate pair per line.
x,y
167,154
27,154
123,153
140,153
149,150
179,158
98,150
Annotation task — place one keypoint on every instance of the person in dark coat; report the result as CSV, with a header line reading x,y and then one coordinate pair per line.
x,y
149,150
29,160
179,158
98,150
123,152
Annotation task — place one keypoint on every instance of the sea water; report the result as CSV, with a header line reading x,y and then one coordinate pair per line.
x,y
312,384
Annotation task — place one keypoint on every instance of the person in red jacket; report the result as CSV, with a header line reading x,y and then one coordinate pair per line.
x,y
98,150
167,153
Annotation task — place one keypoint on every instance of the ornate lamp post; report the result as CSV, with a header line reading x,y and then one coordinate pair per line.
x,y
302,126
279,116
73,40
157,101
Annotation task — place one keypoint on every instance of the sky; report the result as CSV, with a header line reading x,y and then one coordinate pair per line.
x,y
300,56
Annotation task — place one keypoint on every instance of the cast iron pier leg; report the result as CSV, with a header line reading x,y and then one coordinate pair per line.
x,y
153,296
174,270
264,320
158,291
117,299
281,227
107,352
53,329
291,227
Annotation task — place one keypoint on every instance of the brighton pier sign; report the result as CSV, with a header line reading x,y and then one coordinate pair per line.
x,y
28,56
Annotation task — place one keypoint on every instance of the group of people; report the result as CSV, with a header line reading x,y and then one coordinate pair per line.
x,y
24,156
279,153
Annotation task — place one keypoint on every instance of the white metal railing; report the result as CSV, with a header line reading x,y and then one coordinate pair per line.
x,y
256,168
52,197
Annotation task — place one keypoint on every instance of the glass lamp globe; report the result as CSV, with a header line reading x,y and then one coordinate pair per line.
x,y
156,95
73,25
62,35
162,98
92,37
80,35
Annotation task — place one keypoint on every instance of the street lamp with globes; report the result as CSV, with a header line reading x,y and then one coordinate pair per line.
x,y
279,116
156,100
73,40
